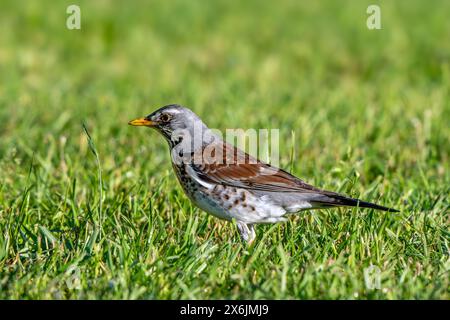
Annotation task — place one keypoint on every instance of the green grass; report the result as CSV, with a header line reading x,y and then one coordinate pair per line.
x,y
364,112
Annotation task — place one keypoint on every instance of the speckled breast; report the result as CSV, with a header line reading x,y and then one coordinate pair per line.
x,y
201,196
227,202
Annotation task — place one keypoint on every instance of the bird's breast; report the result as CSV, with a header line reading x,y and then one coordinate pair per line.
x,y
227,202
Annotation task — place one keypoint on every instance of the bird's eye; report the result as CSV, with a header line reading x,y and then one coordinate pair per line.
x,y
165,117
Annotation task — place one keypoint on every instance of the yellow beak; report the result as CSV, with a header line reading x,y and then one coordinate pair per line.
x,y
142,122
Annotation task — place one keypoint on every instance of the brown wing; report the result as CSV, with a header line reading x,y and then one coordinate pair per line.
x,y
238,169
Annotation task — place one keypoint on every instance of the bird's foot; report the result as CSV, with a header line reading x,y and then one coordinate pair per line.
x,y
247,231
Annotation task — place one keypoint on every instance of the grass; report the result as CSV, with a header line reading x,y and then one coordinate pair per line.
x,y
362,112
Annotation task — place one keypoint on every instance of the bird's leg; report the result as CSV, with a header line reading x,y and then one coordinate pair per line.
x,y
247,231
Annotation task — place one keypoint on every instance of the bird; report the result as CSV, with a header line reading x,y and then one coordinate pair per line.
x,y
230,184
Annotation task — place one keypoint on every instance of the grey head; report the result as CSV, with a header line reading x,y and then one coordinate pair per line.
x,y
175,123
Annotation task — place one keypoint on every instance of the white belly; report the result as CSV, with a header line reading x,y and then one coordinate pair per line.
x,y
233,203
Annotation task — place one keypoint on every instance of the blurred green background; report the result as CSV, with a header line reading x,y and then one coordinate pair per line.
x,y
365,112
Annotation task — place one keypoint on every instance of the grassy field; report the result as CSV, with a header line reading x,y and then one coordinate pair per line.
x,y
363,112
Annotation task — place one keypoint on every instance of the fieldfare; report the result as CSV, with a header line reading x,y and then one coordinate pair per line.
x,y
230,184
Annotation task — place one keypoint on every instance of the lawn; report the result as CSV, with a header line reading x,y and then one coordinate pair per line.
x,y
362,112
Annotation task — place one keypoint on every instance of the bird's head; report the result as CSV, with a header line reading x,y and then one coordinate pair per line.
x,y
170,120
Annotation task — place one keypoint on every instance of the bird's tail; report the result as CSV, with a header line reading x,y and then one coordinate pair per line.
x,y
336,200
